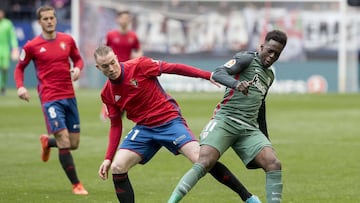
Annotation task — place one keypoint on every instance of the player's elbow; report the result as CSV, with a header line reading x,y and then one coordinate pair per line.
x,y
217,74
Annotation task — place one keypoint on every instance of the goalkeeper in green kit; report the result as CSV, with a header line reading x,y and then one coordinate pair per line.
x,y
239,119
8,48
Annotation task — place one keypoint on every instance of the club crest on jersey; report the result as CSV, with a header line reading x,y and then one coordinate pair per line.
x,y
42,49
63,45
117,98
22,55
230,63
134,83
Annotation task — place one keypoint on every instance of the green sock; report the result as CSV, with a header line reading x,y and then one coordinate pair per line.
x,y
187,182
273,186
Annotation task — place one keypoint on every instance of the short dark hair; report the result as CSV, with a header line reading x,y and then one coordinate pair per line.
x,y
121,12
42,9
276,35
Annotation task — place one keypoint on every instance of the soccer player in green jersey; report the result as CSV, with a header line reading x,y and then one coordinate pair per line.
x,y
239,119
8,48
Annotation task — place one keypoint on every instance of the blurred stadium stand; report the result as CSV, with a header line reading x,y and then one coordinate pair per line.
x,y
24,10
353,2
204,35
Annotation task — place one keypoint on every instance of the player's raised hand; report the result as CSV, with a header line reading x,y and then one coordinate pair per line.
x,y
104,169
75,73
23,94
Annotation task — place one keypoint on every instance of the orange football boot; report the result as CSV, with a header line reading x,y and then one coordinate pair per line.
x,y
78,189
45,149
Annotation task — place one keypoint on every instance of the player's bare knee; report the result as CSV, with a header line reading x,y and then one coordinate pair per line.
x,y
273,164
207,162
63,143
74,146
62,139
117,168
277,164
208,157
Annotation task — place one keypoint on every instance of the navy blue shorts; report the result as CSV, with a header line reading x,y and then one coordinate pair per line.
x,y
146,141
61,114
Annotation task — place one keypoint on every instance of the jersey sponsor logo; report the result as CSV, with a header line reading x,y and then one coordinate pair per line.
x,y
230,63
63,45
255,79
117,98
257,83
42,49
134,83
22,54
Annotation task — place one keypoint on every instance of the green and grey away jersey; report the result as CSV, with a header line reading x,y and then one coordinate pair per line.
x,y
245,110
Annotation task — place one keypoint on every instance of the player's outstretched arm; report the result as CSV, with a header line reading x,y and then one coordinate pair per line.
x,y
184,70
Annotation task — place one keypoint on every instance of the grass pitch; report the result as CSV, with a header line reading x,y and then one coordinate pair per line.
x,y
316,138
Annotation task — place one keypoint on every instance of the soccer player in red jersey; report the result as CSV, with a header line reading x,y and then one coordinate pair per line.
x,y
124,43
50,53
132,86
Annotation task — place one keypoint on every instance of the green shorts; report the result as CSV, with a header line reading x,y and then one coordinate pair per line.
x,y
247,142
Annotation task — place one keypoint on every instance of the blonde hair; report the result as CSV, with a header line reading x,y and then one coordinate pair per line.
x,y
102,50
